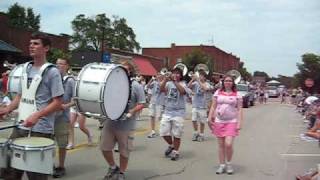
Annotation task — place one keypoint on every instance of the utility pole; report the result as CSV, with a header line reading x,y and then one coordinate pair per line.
x,y
211,41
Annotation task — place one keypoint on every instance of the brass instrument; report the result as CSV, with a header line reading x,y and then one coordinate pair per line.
x,y
201,67
183,68
8,65
165,72
235,74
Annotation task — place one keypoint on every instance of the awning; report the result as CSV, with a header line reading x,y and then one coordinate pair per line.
x,y
8,47
144,66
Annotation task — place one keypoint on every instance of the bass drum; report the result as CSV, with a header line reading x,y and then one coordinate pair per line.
x,y
102,89
14,80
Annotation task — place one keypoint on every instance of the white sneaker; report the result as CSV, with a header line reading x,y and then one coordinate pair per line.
x,y
152,134
229,169
90,140
76,125
221,169
70,146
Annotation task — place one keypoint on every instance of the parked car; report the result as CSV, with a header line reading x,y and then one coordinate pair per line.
x,y
247,95
273,91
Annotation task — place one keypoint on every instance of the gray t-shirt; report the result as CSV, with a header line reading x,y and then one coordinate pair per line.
x,y
157,97
50,87
68,86
199,97
137,97
175,102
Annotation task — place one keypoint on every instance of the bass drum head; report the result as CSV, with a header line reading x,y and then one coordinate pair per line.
x,y
14,80
116,93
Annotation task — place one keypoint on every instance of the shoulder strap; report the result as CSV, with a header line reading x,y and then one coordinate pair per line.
x,y
65,78
45,67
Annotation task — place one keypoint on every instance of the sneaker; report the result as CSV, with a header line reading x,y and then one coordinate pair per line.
x,y
152,135
70,146
112,174
229,169
195,137
76,125
221,169
59,172
168,151
200,138
121,176
174,156
90,140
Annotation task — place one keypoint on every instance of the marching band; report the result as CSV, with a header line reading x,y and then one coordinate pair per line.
x,y
44,94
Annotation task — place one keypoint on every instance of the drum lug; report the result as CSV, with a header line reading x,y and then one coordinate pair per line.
x,y
42,154
24,156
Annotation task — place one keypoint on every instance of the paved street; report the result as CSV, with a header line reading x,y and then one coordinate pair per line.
x,y
268,148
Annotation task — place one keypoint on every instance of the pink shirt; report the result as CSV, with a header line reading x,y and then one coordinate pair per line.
x,y
227,106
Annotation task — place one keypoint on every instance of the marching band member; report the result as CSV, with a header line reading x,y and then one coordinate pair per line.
x,y
156,106
77,117
171,125
226,118
39,97
200,88
62,122
120,131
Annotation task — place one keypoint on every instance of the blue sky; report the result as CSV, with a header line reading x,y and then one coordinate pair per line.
x,y
268,35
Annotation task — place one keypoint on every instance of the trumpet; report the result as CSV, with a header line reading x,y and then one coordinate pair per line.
x,y
165,72
190,73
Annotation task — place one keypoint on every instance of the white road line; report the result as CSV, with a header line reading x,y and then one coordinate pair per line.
x,y
301,155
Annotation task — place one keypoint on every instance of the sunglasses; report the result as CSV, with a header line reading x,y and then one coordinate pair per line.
x,y
227,81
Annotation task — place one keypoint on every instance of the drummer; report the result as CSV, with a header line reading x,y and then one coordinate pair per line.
x,y
47,99
61,124
120,131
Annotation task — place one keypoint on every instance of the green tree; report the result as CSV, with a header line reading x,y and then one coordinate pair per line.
x,y
196,57
309,68
261,73
123,35
56,53
244,73
23,18
90,32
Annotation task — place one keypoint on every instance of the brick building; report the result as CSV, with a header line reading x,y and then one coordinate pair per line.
x,y
223,61
19,38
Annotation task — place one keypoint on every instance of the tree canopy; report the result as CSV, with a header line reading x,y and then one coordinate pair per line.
x,y
56,53
244,73
197,57
90,32
309,68
22,17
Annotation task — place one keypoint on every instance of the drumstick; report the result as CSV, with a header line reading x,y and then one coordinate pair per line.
x,y
8,127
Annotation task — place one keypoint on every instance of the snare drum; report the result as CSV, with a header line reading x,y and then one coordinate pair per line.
x,y
14,80
102,89
3,152
33,154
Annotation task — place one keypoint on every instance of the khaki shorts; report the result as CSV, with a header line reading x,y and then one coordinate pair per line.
x,y
61,131
171,126
111,136
156,110
199,115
